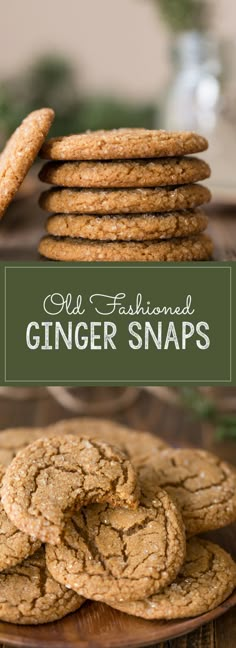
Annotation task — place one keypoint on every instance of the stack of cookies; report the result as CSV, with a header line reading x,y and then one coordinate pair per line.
x,y
125,195
92,510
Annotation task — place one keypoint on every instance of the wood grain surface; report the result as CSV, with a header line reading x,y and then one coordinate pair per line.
x,y
107,627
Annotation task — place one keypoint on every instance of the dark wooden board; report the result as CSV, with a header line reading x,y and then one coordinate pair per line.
x,y
98,626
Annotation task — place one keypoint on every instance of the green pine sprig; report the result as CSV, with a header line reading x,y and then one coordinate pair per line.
x,y
50,81
182,15
204,408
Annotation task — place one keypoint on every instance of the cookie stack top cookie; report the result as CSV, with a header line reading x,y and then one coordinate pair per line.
x,y
125,195
123,143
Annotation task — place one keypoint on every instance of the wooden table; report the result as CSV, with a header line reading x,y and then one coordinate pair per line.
x,y
176,426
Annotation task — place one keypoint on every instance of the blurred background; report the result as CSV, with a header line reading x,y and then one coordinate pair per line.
x,y
108,63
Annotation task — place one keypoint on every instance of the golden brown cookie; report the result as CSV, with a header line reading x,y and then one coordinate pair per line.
x,y
124,201
136,227
12,440
123,143
122,173
30,595
203,486
53,477
20,152
195,248
15,546
140,447
117,553
206,579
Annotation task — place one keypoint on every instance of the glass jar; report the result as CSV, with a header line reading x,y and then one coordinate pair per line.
x,y
201,96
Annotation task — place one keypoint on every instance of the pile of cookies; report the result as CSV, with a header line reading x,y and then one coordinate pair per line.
x,y
92,510
125,195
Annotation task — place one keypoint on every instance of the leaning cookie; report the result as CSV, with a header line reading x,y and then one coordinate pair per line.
x,y
123,143
118,553
53,477
141,447
194,248
20,152
15,546
203,486
125,173
136,227
123,201
206,579
30,595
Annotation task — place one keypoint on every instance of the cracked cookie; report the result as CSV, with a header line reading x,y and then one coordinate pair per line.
x,y
128,554
14,545
123,143
30,595
141,447
138,445
136,227
125,173
53,477
206,579
123,201
20,152
203,486
194,248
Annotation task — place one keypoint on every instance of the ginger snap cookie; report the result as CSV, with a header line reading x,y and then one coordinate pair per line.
x,y
138,445
203,486
195,248
136,227
119,553
141,447
14,545
124,201
12,440
123,143
54,476
30,595
207,578
20,152
125,173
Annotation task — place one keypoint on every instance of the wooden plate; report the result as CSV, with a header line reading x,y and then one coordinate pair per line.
x,y
98,626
